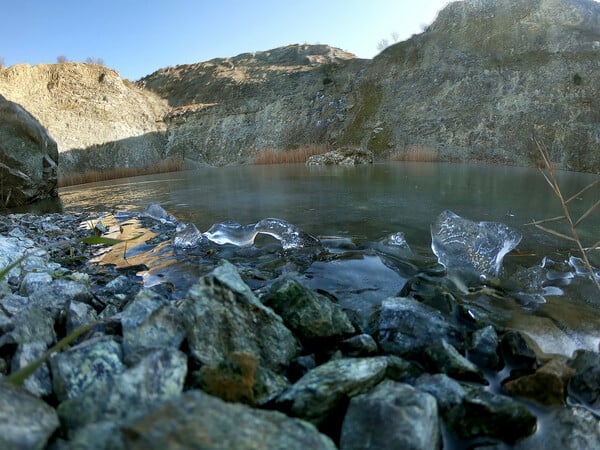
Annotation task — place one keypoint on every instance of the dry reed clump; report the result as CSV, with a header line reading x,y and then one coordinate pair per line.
x,y
298,155
416,154
91,176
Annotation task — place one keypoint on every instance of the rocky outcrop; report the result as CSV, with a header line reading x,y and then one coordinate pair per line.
x,y
485,80
341,157
227,109
28,157
98,120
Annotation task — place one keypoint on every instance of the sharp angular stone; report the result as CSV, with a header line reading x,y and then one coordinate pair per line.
x,y
197,420
391,416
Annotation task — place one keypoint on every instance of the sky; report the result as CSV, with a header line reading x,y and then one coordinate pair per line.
x,y
138,37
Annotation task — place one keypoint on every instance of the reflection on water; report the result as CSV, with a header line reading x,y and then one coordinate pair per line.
x,y
365,204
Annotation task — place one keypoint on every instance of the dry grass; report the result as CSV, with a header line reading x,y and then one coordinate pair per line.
x,y
298,155
550,176
91,176
416,154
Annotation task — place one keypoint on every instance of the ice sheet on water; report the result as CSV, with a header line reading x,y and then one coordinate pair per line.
x,y
230,232
465,245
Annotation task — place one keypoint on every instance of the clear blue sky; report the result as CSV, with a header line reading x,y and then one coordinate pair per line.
x,y
137,37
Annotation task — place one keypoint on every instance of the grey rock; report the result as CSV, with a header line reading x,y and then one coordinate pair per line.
x,y
308,314
149,322
78,314
359,345
38,383
483,413
568,429
157,377
318,393
449,393
391,416
29,157
341,157
443,357
197,420
89,363
96,436
407,327
483,347
517,352
584,387
32,324
34,281
222,315
26,422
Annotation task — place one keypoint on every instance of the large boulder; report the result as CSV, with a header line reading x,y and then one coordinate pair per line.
x,y
28,157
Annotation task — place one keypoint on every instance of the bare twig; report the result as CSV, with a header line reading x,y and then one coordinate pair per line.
x,y
553,182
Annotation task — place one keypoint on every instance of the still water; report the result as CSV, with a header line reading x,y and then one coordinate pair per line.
x,y
367,203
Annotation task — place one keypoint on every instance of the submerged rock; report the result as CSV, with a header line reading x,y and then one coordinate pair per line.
x,y
391,416
444,358
584,387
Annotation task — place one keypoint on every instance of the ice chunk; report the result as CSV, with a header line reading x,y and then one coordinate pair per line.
x,y
187,236
157,212
472,246
580,268
289,235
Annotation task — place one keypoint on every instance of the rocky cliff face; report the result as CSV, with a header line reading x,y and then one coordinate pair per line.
x,y
226,109
485,80
28,157
98,120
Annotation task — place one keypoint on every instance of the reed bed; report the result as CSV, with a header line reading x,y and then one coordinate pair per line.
x,y
298,155
416,154
91,176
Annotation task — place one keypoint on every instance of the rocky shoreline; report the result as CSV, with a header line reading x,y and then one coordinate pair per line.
x,y
275,365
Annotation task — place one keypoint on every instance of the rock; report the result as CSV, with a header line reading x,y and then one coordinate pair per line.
x,y
222,315
472,412
156,378
85,365
407,327
483,347
149,323
78,314
568,429
341,157
198,420
516,351
316,395
584,387
308,314
26,422
98,120
29,157
359,345
391,416
444,358
34,281
483,413
38,383
547,385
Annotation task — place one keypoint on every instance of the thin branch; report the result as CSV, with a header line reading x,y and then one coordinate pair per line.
x,y
584,190
556,233
552,219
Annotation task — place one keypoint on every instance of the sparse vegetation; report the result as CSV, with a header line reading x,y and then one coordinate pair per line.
x,y
98,61
298,155
61,59
577,80
92,176
1,62
416,154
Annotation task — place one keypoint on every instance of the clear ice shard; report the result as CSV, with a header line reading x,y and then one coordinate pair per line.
x,y
464,245
289,235
187,236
